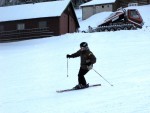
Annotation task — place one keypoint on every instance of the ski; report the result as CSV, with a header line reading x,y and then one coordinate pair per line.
x,y
67,90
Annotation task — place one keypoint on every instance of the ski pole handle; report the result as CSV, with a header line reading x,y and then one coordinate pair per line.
x,y
67,67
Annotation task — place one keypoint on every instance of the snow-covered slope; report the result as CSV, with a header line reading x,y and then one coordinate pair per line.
x,y
31,72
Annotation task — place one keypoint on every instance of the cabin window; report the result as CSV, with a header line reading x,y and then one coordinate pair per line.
x,y
134,14
1,28
102,6
132,4
21,26
42,24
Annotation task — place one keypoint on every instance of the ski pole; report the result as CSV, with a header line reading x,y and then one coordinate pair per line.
x,y
103,77
67,67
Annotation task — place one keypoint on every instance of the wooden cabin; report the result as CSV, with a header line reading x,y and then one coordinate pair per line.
x,y
93,7
37,20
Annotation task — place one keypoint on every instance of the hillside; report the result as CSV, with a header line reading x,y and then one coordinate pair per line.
x,y
32,71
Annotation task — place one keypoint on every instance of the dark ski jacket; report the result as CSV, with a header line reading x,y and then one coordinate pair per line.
x,y
86,57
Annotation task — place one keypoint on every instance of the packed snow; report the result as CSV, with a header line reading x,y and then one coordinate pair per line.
x,y
32,71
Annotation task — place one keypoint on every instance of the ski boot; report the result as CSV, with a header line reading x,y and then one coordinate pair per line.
x,y
80,86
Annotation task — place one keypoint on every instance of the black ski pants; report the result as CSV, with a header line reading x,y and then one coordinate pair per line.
x,y
81,78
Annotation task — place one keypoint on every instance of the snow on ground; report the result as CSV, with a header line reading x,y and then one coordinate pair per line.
x,y
32,71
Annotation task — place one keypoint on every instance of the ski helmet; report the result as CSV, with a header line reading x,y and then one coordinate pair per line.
x,y
83,44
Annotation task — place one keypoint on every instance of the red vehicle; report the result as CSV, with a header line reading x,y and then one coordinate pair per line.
x,y
123,19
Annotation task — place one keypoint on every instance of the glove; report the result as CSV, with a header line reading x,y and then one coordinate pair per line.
x,y
90,67
68,56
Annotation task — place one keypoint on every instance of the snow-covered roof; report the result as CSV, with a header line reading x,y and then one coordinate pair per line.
x,y
95,2
37,10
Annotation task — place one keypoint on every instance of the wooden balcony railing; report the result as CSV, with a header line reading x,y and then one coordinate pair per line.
x,y
25,34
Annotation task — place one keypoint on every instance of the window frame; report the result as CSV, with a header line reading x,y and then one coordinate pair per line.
x,y
42,24
1,28
20,26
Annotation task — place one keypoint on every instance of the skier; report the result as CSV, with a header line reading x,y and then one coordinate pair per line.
x,y
87,61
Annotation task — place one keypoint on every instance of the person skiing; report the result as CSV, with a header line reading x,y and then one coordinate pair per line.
x,y
87,61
